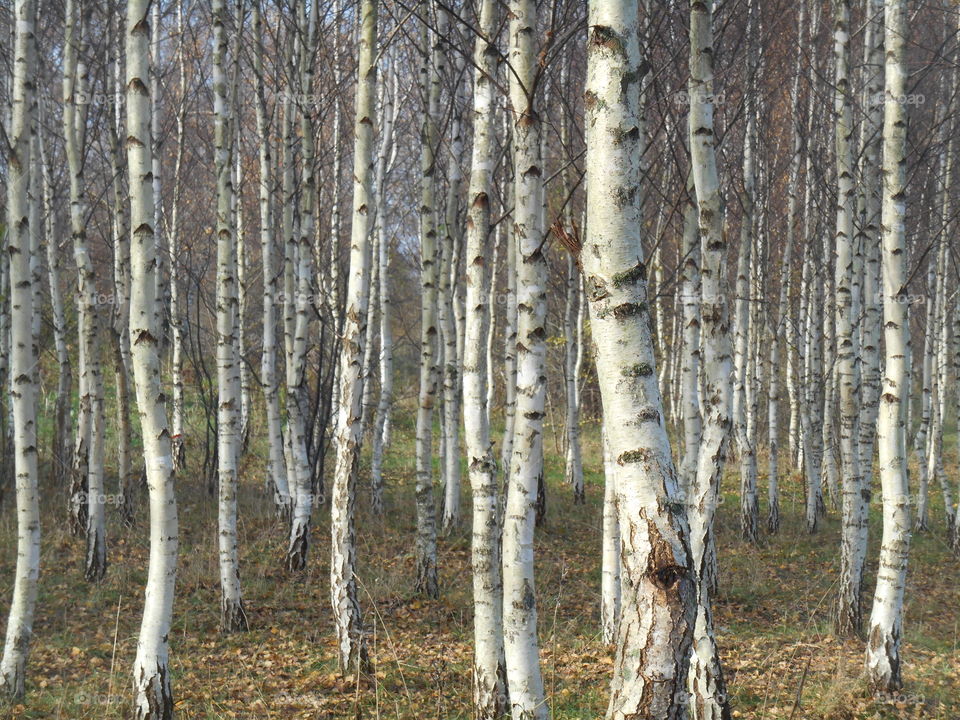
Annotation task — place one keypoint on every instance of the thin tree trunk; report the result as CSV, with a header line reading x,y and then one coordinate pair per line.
x,y
381,423
23,357
447,313
610,581
707,687
426,540
853,548
60,453
232,614
269,377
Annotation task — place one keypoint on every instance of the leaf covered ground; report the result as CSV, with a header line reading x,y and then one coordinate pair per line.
x,y
773,614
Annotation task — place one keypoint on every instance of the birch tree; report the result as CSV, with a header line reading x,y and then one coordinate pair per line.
x,y
232,614
657,608
351,645
87,511
488,665
854,513
526,462
153,696
297,285
23,356
883,662
426,540
706,681
269,377
389,90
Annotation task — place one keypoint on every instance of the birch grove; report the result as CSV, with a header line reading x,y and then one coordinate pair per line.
x,y
597,338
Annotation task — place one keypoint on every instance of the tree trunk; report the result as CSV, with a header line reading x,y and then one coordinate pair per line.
x,y
853,548
526,462
707,687
23,357
232,614
269,377
447,313
153,695
489,672
886,619
658,595
387,152
352,652
426,541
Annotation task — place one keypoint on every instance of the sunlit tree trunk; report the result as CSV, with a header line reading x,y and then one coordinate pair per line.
x,y
883,662
351,647
173,248
658,595
23,356
690,357
708,690
526,462
489,672
153,697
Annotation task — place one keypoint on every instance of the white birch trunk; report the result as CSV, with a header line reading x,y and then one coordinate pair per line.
x,y
489,671
706,682
351,646
610,586
526,462
153,697
232,614
386,154
871,131
426,540
23,358
447,312
657,608
690,353
173,247
297,286
269,376
883,662
853,548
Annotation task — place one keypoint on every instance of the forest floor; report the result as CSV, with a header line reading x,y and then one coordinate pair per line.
x,y
774,613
